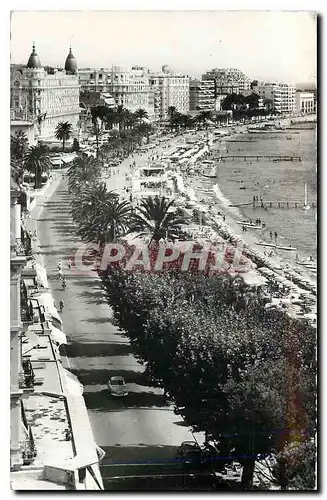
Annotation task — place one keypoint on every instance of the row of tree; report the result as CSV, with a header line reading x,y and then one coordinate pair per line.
x,y
102,217
244,375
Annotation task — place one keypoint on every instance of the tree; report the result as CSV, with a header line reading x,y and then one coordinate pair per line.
x,y
295,466
37,161
18,145
84,169
75,147
140,115
228,376
204,117
63,132
109,221
156,218
121,116
171,111
18,148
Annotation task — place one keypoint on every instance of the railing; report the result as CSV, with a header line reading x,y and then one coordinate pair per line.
x,y
26,376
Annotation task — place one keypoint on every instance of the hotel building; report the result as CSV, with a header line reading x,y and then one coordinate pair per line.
x,y
228,80
45,97
170,89
282,96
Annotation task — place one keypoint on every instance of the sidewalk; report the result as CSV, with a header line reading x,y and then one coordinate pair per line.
x,y
30,221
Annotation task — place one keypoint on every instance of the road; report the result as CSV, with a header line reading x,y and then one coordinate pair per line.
x,y
135,429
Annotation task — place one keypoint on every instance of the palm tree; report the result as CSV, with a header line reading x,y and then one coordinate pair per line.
x,y
89,200
18,145
83,169
140,114
110,220
63,132
156,217
171,111
204,116
18,149
37,161
145,129
120,116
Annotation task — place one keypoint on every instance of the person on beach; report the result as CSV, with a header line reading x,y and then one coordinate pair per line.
x,y
61,305
276,236
271,235
69,263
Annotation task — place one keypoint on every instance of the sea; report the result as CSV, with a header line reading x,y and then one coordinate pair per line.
x,y
273,181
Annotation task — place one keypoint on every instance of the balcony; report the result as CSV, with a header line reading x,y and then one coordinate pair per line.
x,y
26,376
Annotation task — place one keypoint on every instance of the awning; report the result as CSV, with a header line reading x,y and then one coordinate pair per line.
x,y
55,162
46,300
32,337
58,336
41,275
75,388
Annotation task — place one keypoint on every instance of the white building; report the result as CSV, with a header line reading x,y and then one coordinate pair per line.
x,y
305,102
170,89
97,80
131,88
45,97
228,80
281,96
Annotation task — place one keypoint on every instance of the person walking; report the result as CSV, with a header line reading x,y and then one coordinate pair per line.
x,y
61,305
276,236
63,284
271,235
69,263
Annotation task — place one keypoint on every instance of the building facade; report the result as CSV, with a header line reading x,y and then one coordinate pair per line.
x,y
170,89
94,80
305,102
228,80
131,88
17,262
202,95
45,97
280,96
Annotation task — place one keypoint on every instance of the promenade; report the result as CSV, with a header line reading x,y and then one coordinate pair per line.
x,y
141,427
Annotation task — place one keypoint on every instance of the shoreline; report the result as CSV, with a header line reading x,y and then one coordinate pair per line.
x,y
300,281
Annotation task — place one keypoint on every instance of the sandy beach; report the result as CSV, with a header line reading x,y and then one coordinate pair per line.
x,y
216,207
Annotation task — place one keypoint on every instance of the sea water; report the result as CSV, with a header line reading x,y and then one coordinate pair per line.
x,y
282,181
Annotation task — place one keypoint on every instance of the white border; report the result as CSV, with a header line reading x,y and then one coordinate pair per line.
x,y
313,5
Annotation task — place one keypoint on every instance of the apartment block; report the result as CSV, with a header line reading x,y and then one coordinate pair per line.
x,y
228,80
280,96
202,95
170,89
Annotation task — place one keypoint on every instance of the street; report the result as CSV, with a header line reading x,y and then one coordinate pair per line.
x,y
140,427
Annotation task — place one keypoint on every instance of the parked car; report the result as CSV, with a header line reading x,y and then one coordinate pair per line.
x,y
117,386
190,452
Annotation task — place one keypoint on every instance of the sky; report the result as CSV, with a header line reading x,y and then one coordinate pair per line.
x,y
265,45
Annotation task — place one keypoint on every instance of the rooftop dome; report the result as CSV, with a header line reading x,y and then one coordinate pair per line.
x,y
70,64
34,61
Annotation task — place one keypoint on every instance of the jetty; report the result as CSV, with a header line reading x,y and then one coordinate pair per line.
x,y
261,157
280,204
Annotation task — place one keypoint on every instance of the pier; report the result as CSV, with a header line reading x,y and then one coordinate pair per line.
x,y
281,204
261,157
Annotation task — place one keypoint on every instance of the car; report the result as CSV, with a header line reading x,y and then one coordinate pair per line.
x,y
190,452
117,386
